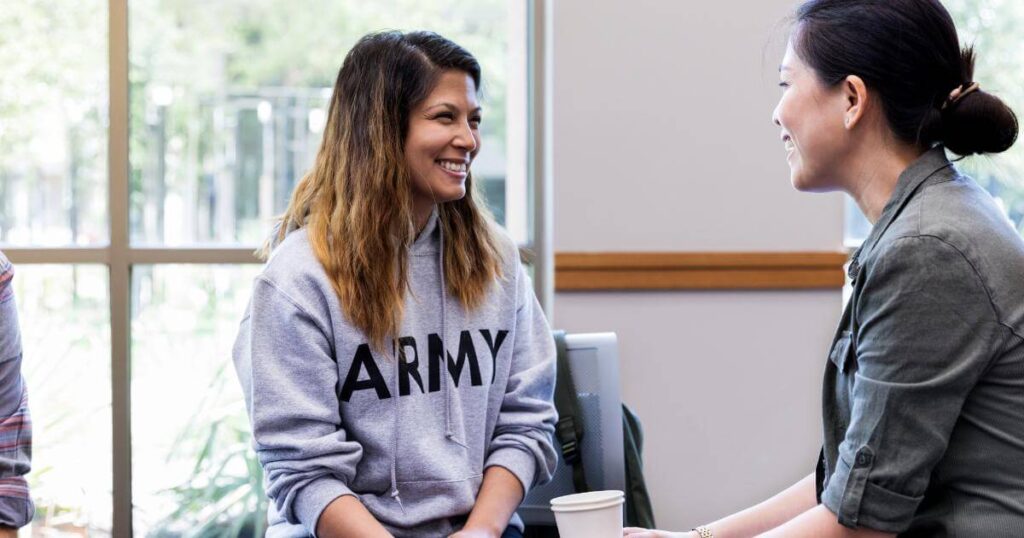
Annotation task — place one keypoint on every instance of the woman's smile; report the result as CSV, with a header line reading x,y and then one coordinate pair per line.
x,y
457,169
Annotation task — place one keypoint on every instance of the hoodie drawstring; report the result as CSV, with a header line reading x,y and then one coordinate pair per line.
x,y
444,340
448,433
394,429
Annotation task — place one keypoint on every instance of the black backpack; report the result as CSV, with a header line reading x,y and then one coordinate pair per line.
x,y
570,432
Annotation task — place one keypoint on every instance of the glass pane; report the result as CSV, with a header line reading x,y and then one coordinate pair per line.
x,y
53,117
194,470
993,28
229,100
857,225
65,323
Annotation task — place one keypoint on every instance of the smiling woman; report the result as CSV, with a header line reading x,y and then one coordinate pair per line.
x,y
213,111
385,251
443,140
377,142
920,400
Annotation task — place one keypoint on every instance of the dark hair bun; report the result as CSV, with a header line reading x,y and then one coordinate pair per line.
x,y
909,52
978,123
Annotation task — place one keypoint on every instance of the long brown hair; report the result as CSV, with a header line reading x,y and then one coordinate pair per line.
x,y
357,201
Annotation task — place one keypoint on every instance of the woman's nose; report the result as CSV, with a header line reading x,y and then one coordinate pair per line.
x,y
465,139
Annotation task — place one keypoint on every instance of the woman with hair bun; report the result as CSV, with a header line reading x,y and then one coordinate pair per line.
x,y
923,398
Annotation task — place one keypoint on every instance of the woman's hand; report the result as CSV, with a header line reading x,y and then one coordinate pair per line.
x,y
500,495
475,533
634,532
7,532
346,517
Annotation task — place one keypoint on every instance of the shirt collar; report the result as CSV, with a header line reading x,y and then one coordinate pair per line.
x,y
909,182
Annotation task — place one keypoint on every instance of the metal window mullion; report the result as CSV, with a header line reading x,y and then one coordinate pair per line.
x,y
120,269
539,99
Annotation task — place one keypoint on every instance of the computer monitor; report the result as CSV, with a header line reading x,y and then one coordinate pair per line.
x,y
594,365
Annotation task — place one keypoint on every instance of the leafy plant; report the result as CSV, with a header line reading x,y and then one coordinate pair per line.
x,y
224,497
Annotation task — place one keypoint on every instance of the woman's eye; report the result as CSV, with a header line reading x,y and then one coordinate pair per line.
x,y
475,121
446,116
783,84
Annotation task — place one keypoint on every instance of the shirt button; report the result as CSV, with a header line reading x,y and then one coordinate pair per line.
x,y
853,270
864,459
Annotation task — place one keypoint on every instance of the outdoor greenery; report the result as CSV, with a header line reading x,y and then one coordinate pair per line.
x,y
228,99
195,472
53,104
67,367
993,27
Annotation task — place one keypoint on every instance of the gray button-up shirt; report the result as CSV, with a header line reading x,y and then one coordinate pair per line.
x,y
924,387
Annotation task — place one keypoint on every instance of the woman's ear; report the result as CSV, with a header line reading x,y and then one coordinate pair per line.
x,y
855,96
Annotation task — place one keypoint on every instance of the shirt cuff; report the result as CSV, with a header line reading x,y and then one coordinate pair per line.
x,y
519,462
15,512
312,499
859,503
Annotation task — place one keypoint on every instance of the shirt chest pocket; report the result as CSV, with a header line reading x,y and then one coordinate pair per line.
x,y
842,353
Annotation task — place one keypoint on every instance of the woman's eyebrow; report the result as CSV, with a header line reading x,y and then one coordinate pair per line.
x,y
453,108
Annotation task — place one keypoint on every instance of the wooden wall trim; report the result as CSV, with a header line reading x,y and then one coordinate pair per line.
x,y
606,271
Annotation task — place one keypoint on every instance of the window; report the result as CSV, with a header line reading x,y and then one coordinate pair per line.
x,y
192,461
53,115
53,193
65,315
990,25
229,100
143,157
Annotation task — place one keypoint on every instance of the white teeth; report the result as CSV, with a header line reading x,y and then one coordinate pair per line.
x,y
454,167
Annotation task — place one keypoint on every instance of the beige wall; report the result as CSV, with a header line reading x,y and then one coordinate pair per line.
x,y
663,142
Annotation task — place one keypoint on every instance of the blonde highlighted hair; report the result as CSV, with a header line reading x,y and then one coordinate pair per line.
x,y
357,200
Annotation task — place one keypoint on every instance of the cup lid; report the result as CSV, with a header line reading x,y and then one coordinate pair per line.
x,y
590,497
591,507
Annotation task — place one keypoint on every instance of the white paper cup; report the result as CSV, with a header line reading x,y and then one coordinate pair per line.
x,y
594,514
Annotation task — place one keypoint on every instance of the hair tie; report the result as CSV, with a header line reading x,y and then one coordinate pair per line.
x,y
959,93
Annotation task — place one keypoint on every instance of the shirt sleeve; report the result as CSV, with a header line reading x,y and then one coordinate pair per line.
x,y
926,335
16,506
285,362
522,441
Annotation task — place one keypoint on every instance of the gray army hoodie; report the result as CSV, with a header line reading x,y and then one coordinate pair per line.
x,y
409,431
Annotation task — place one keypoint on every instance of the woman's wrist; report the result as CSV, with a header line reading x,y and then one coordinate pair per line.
x,y
499,496
480,530
702,531
489,528
346,516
